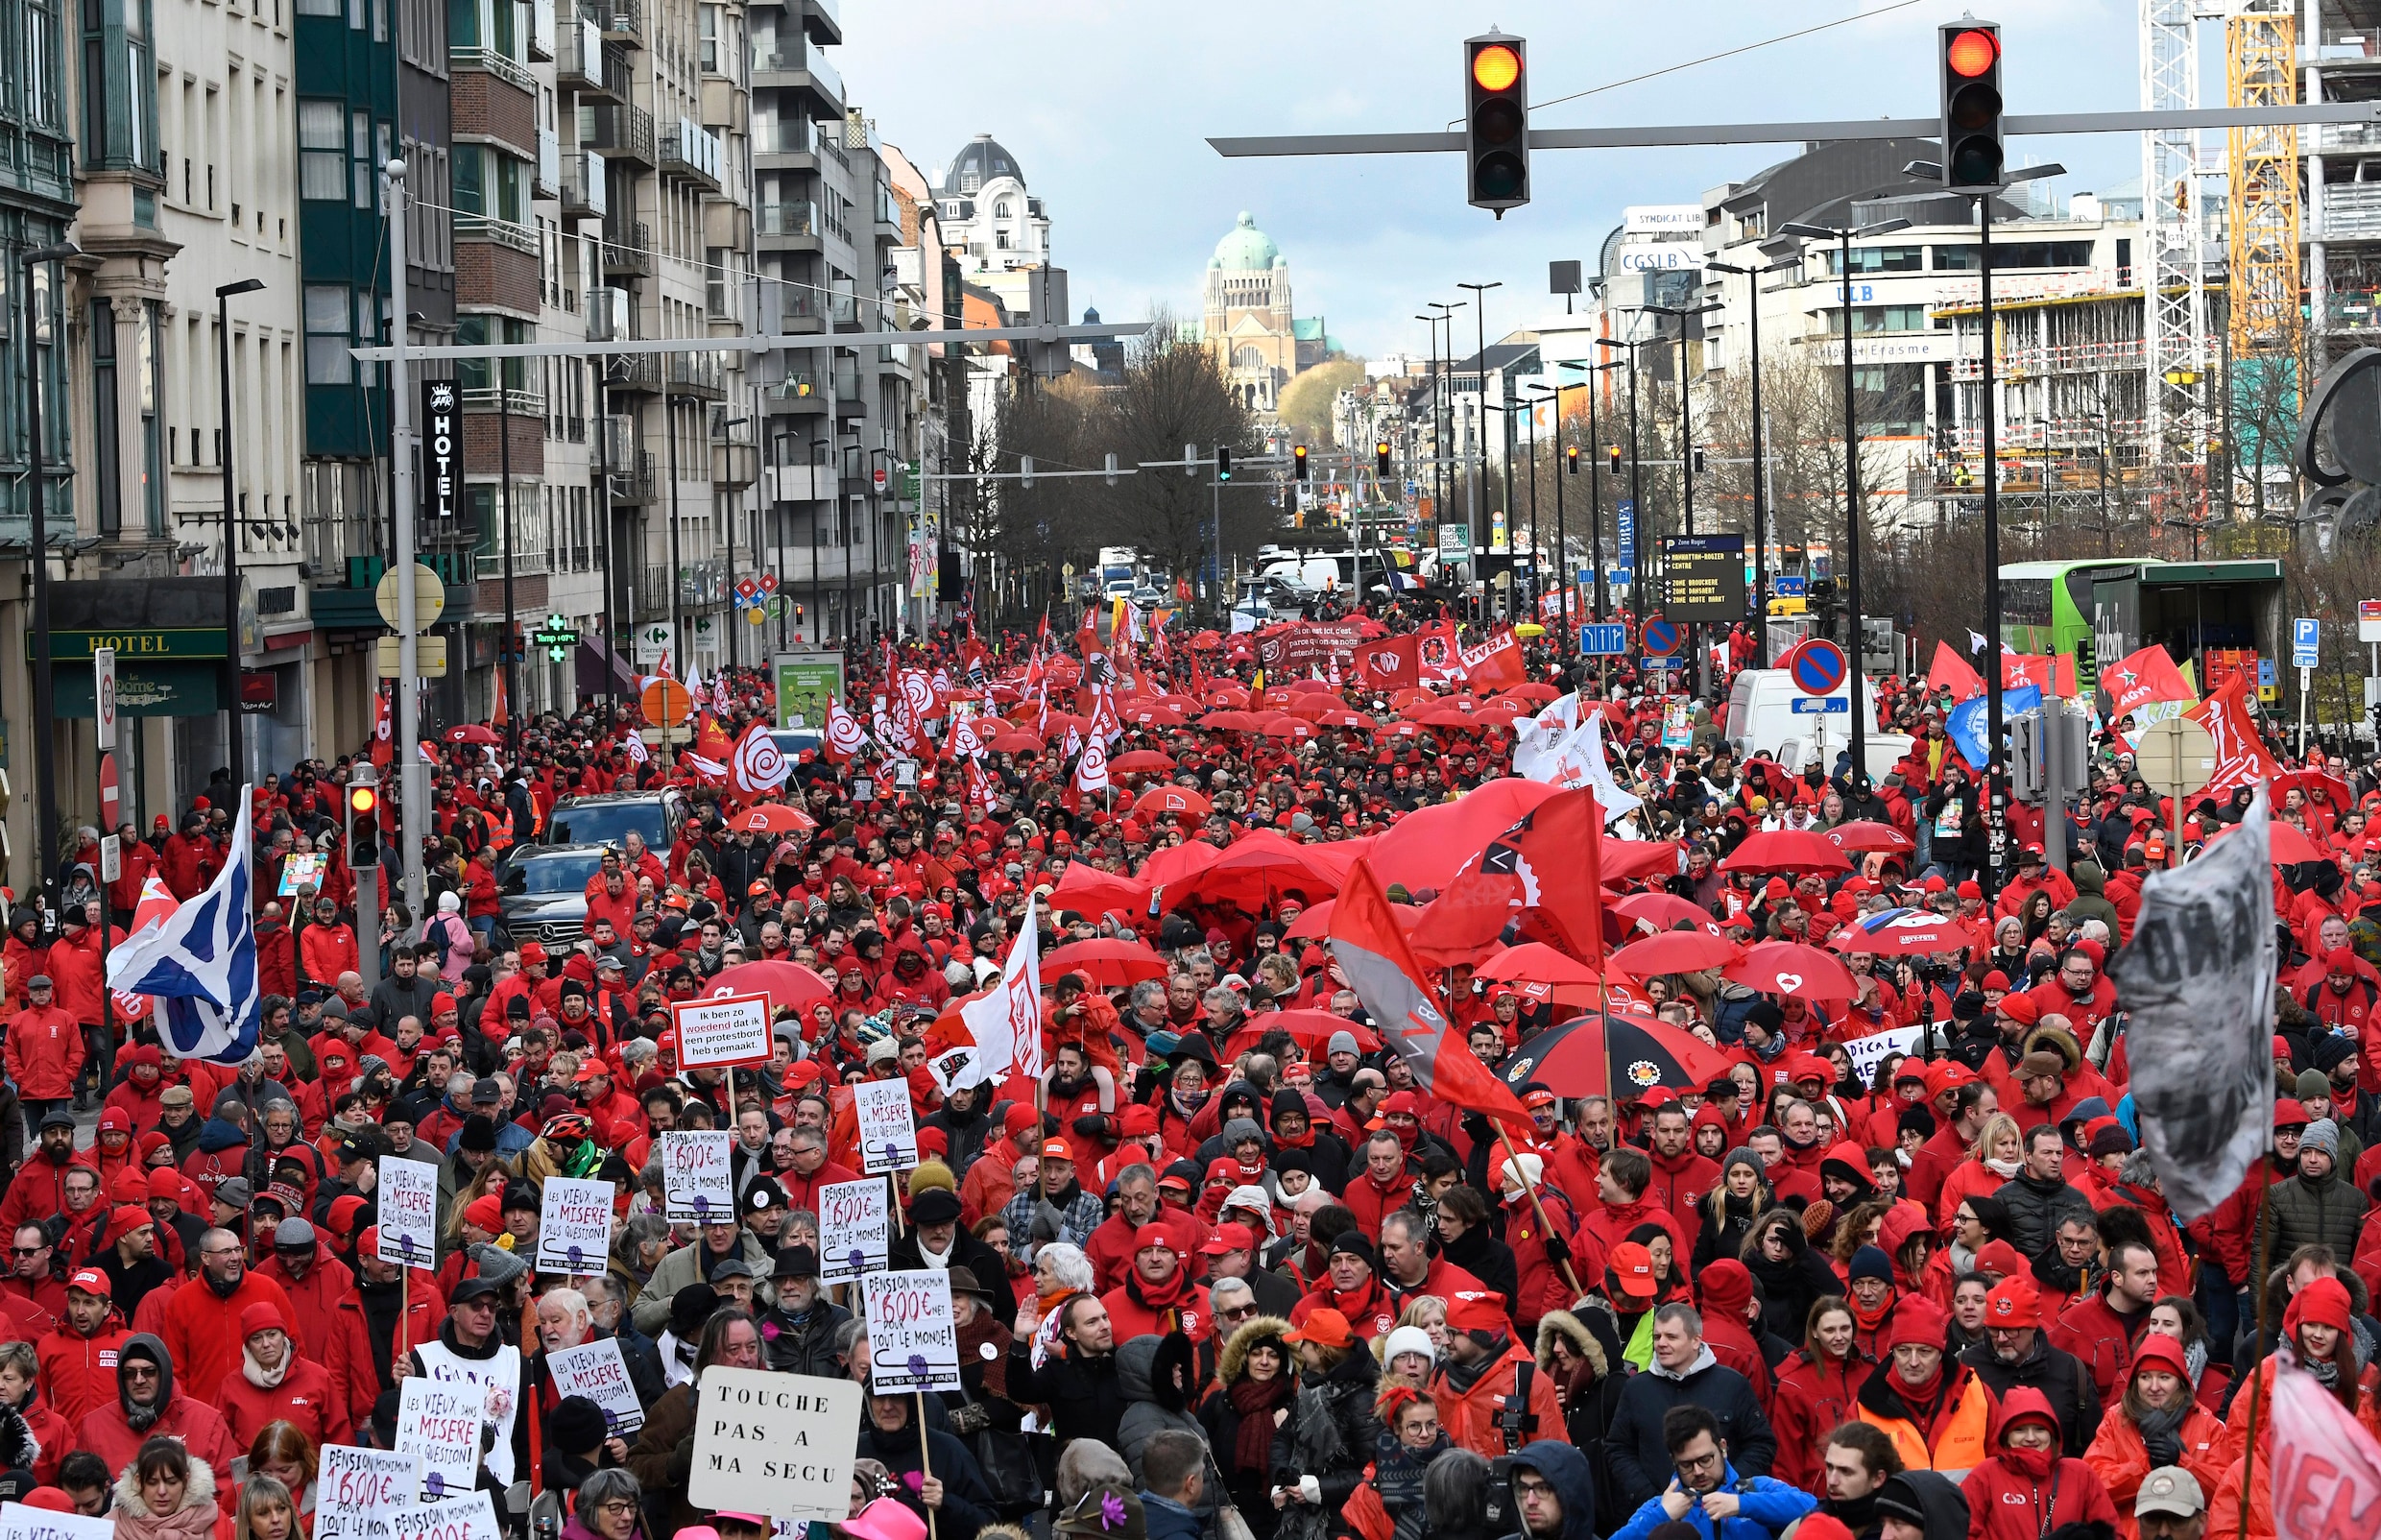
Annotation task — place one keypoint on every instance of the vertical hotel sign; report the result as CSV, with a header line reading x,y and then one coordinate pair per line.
x,y
441,448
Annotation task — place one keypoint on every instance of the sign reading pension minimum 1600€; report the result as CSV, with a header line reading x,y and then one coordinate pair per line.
x,y
1705,578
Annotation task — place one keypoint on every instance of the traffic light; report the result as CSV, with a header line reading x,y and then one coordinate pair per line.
x,y
1614,450
798,612
1698,462
1972,151
1380,458
1571,460
1298,458
1496,122
1223,462
363,819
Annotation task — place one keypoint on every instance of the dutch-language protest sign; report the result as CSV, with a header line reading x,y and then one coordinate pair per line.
x,y
698,1184
722,1032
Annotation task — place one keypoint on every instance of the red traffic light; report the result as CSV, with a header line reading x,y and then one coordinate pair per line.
x,y
1972,53
363,799
1496,67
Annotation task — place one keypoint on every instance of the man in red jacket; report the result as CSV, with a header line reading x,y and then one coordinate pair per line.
x,y
1158,1295
2102,1329
75,968
1680,1176
145,1387
1383,1188
45,1049
79,1359
203,1320
40,1189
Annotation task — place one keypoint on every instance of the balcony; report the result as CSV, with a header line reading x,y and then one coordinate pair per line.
x,y
2346,138
607,315
636,484
2352,312
628,248
690,153
796,310
794,395
796,138
734,465
636,372
699,375
2352,211
583,190
549,179
504,232
622,132
726,106
792,65
823,20
802,484
623,21
579,54
489,61
487,399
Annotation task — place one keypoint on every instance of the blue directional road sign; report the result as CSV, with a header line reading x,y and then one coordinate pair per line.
x,y
2306,643
1822,705
1603,640
1790,585
1661,639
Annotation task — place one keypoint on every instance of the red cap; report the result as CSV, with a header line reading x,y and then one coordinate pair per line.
x,y
165,1181
442,1002
2000,1259
1540,1097
2325,1302
1632,1264
1328,1328
91,1281
115,1121
1138,1120
2289,1113
2160,1349
1228,1238
1917,1320
124,1221
1971,890
487,1211
1057,1149
532,954
1152,1235
1403,1101
264,1315
1477,1310
1996,979
2022,1008
2014,1303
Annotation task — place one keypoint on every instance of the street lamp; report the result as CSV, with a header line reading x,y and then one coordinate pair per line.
x,y
1761,537
1843,236
45,702
236,750
1595,499
1480,386
1636,486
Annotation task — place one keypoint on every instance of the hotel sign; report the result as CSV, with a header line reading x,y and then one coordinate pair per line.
x,y
441,449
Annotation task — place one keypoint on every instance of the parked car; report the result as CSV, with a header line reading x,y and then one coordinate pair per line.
x,y
542,892
606,818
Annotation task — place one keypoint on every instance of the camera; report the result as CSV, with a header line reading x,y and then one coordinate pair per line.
x,y
1504,1514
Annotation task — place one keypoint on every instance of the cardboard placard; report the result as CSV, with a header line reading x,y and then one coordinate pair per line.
x,y
1867,1053
888,1127
779,1444
597,1371
408,1198
698,1184
574,1225
18,1522
357,1490
722,1032
855,1230
438,1424
913,1338
473,1517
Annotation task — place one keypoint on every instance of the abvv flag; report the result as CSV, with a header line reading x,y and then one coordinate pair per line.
x,y
199,962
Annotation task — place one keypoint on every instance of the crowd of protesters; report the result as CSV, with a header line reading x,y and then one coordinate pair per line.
x,y
1211,1277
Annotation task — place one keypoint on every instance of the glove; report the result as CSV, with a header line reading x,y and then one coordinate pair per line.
x,y
1557,1250
973,1418
1092,1126
2163,1448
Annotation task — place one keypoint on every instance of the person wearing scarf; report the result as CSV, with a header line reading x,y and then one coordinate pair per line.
x,y
1872,1296
1253,1380
1933,1408
1351,1285
2026,1489
272,1384
1388,1504
2155,1422
1158,1295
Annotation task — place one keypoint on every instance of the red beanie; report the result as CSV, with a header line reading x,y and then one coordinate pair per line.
x,y
2014,1303
2325,1302
1916,1321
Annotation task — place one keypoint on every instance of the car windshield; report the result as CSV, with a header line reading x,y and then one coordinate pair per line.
x,y
608,822
565,872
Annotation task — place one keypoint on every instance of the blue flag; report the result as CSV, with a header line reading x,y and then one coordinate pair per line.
x,y
1969,723
199,962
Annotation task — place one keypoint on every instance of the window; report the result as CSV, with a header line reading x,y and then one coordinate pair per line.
x,y
1868,319
710,22
327,337
1001,209
2015,254
322,145
318,8
359,150
1880,259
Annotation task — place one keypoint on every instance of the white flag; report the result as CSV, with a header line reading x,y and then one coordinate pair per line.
x,y
1007,1022
199,962
1573,759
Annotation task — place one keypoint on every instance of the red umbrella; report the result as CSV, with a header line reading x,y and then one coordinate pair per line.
x,y
1170,801
790,986
1016,742
1142,762
1665,910
1152,715
1056,727
1312,1030
772,818
1347,720
1256,870
1786,849
471,733
1790,968
1535,692
1230,721
1676,952
1902,934
1107,963
1624,860
1179,703
1313,707
2288,846
1177,863
2307,782
1866,836
1310,687
1289,727
1089,890
1315,923
1231,695
1534,963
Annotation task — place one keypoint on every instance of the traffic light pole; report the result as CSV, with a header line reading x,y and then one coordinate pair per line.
x,y
413,813
1996,771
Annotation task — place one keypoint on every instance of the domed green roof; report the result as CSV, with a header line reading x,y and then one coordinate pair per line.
x,y
1246,249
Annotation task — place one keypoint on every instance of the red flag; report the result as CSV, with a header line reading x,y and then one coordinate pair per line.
x,y
1390,663
1537,863
1380,966
2241,760
2019,669
712,740
1954,673
2147,676
1087,634
1495,664
384,729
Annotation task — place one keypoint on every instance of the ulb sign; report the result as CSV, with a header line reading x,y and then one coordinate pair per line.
x,y
441,449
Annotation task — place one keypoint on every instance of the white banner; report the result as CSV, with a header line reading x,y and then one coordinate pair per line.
x,y
408,1198
596,1371
357,1490
470,1517
438,1424
853,1230
888,1134
574,1226
775,1444
913,1340
723,1031
698,1184
1867,1053
18,1522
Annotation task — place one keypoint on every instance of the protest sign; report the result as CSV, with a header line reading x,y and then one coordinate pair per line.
x,y
357,1489
438,1424
774,1443
300,871
574,1225
913,1340
596,1371
470,1517
408,1198
1867,1053
721,1032
854,1234
888,1130
18,1522
698,1184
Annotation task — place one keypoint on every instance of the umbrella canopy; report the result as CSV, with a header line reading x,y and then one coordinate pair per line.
x,y
1230,695
1315,923
1230,721
1613,1055
1142,762
1902,934
1152,715
1088,890
1289,727
772,818
1170,801
1786,849
790,986
1790,968
1676,952
1256,869
471,733
2287,845
1175,864
1310,687
1534,963
1344,718
1313,1030
1863,835
1107,963
2309,782
1015,742
1313,707
1665,910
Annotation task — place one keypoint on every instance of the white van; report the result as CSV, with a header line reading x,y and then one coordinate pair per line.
x,y
1308,575
1763,718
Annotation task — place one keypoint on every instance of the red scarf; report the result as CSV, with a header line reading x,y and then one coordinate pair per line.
x,y
1255,1401
1166,1298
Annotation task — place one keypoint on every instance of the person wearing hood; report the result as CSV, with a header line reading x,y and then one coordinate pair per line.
x,y
1292,1122
1684,1372
953,1494
361,1350
1553,1492
148,1405
1160,1378
1708,1492
1730,1328
167,1491
221,1149
2016,1353
1580,1363
202,1326
1253,1380
1921,1506
1792,1276
2157,1423
1726,1216
1320,1449
1491,1397
2024,1488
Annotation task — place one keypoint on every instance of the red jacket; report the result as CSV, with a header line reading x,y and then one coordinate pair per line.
x,y
2103,1339
44,1052
1679,1185
1134,1316
276,962
1812,1399
1110,1247
202,1328
40,1189
348,1354
107,1434
2005,1505
78,1371
189,865
1470,1417
326,952
1371,1203
305,1397
316,1298
78,974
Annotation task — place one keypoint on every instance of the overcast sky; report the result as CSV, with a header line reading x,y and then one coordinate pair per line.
x,y
1107,105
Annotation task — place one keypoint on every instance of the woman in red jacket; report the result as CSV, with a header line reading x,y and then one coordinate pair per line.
x,y
274,1384
2025,1489
1815,1386
328,947
2156,1424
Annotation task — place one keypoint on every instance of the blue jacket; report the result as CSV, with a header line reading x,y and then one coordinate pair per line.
x,y
1766,1506
1170,1520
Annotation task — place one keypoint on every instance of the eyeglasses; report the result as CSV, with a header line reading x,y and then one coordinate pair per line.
x,y
1227,1313
1698,1462
618,1505
27,1251
1531,1486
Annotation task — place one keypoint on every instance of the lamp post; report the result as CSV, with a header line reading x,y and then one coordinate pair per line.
x,y
1443,397
1636,482
1595,499
1761,505
1843,236
234,749
45,702
1480,387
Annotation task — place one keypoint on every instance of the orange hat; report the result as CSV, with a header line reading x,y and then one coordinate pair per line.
x,y
1057,1149
1632,1264
1325,1328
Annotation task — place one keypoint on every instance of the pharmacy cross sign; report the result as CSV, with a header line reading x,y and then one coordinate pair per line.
x,y
557,636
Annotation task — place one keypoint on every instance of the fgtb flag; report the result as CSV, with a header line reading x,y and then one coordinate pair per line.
x,y
199,962
1381,968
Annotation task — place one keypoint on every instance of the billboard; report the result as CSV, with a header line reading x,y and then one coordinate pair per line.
x,y
808,678
1704,578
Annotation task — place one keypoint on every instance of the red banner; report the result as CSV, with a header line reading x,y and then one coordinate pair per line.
x,y
1391,663
2327,1476
2147,676
2241,760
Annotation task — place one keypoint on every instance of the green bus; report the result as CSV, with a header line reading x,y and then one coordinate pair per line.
x,y
2112,607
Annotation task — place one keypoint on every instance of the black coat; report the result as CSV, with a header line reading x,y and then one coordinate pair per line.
x,y
1633,1446
2061,1378
1487,1259
1332,1433
1084,1395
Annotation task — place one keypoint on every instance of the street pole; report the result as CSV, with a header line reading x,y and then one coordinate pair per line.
x,y
679,641
412,799
44,684
1761,508
1996,775
1480,390
1595,496
603,518
235,751
511,631
1562,535
1859,778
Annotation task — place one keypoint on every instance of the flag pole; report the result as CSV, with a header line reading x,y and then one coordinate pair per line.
x,y
1530,1188
926,1467
2257,1381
